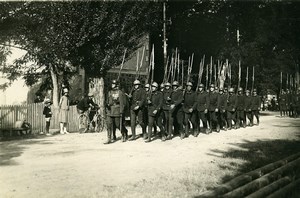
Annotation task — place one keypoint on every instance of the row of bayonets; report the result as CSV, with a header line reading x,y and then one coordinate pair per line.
x,y
174,70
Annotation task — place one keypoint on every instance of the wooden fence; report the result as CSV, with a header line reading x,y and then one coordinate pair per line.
x,y
33,113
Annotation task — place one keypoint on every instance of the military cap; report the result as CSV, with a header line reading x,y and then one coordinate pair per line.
x,y
240,89
168,84
175,83
90,94
65,90
162,85
247,91
147,85
189,84
212,85
47,101
254,90
154,84
136,82
231,90
221,89
201,85
114,82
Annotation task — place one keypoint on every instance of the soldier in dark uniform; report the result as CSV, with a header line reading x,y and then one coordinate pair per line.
x,y
231,108
167,92
256,102
240,109
283,103
189,109
137,100
222,110
202,100
248,107
155,103
161,117
176,109
289,103
116,104
213,108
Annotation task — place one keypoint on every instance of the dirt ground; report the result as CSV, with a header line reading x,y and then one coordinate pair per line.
x,y
80,165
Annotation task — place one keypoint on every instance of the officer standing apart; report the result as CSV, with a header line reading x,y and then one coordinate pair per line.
x,y
202,108
213,108
137,99
116,106
154,102
189,106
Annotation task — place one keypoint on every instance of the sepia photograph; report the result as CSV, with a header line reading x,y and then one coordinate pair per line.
x,y
150,99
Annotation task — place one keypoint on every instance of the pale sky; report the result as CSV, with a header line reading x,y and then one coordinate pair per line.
x,y
17,92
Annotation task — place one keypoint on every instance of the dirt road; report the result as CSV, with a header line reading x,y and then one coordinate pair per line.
x,y
80,165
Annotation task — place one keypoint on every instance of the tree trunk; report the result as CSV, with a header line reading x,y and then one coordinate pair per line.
x,y
96,87
55,87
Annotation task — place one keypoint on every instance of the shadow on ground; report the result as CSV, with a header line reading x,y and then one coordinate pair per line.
x,y
11,149
250,155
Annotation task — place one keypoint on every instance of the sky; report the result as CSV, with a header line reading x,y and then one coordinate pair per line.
x,y
17,92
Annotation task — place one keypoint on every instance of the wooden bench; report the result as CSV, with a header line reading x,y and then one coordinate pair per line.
x,y
20,128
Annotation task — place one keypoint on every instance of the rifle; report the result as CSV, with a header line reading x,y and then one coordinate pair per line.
x,y
141,64
150,62
122,64
206,86
280,82
201,67
152,72
215,74
170,70
247,79
210,70
240,74
252,78
182,73
287,81
166,71
137,64
178,67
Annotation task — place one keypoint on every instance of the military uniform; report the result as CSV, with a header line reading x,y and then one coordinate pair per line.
x,y
202,100
116,106
176,119
283,104
222,109
213,108
167,109
256,102
240,110
137,106
231,109
190,103
248,107
155,103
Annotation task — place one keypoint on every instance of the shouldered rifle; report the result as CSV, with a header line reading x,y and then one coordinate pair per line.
x,y
122,64
201,67
141,64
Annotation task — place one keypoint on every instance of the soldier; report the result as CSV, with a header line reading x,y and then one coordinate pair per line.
x,y
161,117
202,108
256,103
297,103
282,103
222,110
167,92
231,108
116,106
176,110
248,107
189,106
154,102
137,99
213,108
240,109
289,103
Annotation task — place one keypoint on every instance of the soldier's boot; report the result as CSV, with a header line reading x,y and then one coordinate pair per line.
x,y
206,131
149,135
163,135
244,124
144,132
187,132
182,135
196,133
108,137
133,135
218,128
225,126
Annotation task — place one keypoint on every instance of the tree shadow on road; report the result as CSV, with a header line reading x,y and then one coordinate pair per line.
x,y
11,149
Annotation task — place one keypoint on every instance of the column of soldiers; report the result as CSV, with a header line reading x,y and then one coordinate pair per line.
x,y
178,111
289,103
